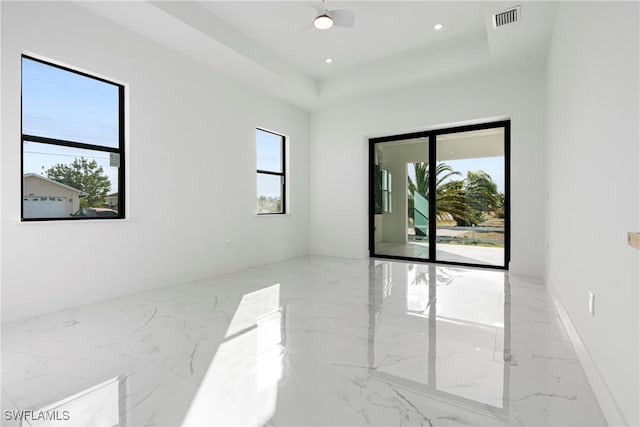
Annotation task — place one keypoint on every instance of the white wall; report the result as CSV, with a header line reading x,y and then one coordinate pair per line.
x,y
339,184
191,143
593,185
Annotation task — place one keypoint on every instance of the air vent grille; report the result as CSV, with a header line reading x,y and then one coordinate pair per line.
x,y
506,17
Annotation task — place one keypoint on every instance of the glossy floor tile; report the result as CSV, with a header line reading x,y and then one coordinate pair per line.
x,y
305,342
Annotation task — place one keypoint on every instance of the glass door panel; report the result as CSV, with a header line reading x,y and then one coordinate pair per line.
x,y
470,197
400,191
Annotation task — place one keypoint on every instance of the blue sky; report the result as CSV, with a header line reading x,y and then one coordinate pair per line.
x,y
63,105
494,166
269,158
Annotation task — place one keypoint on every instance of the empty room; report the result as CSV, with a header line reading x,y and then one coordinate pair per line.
x,y
319,213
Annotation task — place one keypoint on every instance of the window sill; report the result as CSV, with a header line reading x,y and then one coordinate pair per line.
x,y
73,221
272,215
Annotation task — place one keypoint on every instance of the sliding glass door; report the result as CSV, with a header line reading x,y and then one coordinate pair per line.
x,y
459,214
470,197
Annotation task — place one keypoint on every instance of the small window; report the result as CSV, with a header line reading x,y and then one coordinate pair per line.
x,y
271,179
72,142
387,195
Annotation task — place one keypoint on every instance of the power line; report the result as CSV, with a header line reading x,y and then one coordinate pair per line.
x,y
67,155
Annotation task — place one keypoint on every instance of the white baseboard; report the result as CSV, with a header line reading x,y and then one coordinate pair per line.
x,y
607,402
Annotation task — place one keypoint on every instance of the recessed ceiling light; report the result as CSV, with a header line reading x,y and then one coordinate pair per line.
x,y
323,22
328,60
438,27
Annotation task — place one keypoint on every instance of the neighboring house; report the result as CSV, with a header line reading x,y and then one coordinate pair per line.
x,y
45,198
112,201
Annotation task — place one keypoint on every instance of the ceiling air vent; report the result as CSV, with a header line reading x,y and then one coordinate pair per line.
x,y
506,17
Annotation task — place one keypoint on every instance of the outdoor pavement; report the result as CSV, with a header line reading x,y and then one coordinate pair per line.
x,y
444,252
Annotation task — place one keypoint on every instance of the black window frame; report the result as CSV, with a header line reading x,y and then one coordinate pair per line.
x,y
283,174
120,150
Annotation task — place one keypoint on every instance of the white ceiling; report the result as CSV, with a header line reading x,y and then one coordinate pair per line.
x,y
273,46
382,29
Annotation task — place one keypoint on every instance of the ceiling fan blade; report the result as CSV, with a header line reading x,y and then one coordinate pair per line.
x,y
342,17
318,7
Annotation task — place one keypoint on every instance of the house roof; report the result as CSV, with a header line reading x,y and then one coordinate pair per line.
x,y
35,175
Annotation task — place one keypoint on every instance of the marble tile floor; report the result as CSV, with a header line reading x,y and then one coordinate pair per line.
x,y
312,341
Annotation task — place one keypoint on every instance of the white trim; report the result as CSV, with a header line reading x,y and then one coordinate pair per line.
x,y
607,402
71,67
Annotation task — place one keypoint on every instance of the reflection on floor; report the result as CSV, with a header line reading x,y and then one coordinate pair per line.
x,y
309,341
467,254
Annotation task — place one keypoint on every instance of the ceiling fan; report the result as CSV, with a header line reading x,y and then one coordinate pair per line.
x,y
328,18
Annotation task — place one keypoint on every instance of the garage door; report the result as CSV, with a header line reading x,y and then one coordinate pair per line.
x,y
45,207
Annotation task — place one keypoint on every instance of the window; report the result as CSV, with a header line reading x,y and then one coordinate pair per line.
x,y
271,179
387,195
72,144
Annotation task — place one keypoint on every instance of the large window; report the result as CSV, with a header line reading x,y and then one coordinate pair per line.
x,y
72,144
271,177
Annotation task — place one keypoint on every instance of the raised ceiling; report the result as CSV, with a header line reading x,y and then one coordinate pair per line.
x,y
272,45
382,29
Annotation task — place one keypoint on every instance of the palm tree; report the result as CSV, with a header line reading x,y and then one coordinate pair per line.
x,y
500,208
466,200
449,193
481,193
